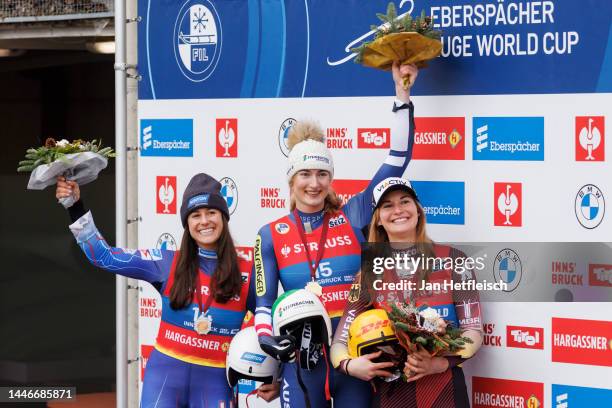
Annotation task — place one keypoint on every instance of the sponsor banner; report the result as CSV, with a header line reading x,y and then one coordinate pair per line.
x,y
497,392
565,273
270,197
508,204
145,352
439,139
374,138
443,201
165,194
590,138
590,206
150,307
491,336
227,138
508,138
226,49
347,189
166,137
508,268
229,192
525,337
600,275
568,396
581,341
338,138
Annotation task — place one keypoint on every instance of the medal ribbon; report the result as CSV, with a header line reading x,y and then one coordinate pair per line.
x,y
300,227
204,307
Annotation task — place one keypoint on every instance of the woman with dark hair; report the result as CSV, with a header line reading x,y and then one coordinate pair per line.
x,y
399,226
205,290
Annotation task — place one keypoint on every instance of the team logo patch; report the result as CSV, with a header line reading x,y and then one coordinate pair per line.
x,y
590,206
282,228
166,242
283,134
197,39
508,268
354,292
229,191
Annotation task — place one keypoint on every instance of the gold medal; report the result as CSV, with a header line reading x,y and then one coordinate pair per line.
x,y
203,324
314,287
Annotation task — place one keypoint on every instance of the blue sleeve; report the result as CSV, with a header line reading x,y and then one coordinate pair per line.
x,y
265,275
150,265
359,208
251,301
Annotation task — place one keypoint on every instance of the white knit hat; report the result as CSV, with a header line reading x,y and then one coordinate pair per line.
x,y
308,150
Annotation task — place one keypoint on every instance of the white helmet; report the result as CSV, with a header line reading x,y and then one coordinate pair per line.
x,y
246,360
296,307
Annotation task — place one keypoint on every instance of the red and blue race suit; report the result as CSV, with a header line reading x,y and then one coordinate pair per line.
x,y
279,256
185,369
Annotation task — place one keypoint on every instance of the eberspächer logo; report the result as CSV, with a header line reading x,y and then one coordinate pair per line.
x,y
229,191
508,268
197,39
590,206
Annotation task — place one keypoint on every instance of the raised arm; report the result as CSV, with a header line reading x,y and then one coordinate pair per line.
x,y
359,208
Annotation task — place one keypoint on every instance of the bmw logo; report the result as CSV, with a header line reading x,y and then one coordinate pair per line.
x,y
166,242
508,268
229,191
590,206
283,134
197,39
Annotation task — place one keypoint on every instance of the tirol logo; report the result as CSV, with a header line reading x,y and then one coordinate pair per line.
x,y
508,138
166,137
442,201
525,337
227,138
439,139
507,201
166,242
197,39
581,341
245,253
590,206
567,396
373,138
347,189
229,191
283,134
165,194
590,138
508,268
497,392
600,275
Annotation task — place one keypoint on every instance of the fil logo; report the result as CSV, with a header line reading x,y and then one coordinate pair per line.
x,y
507,199
166,242
373,138
227,137
285,250
561,401
525,337
166,194
590,138
283,135
482,136
590,206
229,191
197,39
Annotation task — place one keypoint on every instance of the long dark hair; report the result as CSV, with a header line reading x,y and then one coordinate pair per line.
x,y
226,280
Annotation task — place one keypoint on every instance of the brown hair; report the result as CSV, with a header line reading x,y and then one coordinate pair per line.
x,y
377,234
332,205
226,281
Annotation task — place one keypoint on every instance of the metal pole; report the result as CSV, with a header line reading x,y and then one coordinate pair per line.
x,y
120,201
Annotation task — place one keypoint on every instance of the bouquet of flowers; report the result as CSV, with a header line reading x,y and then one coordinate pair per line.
x,y
425,327
79,161
402,39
